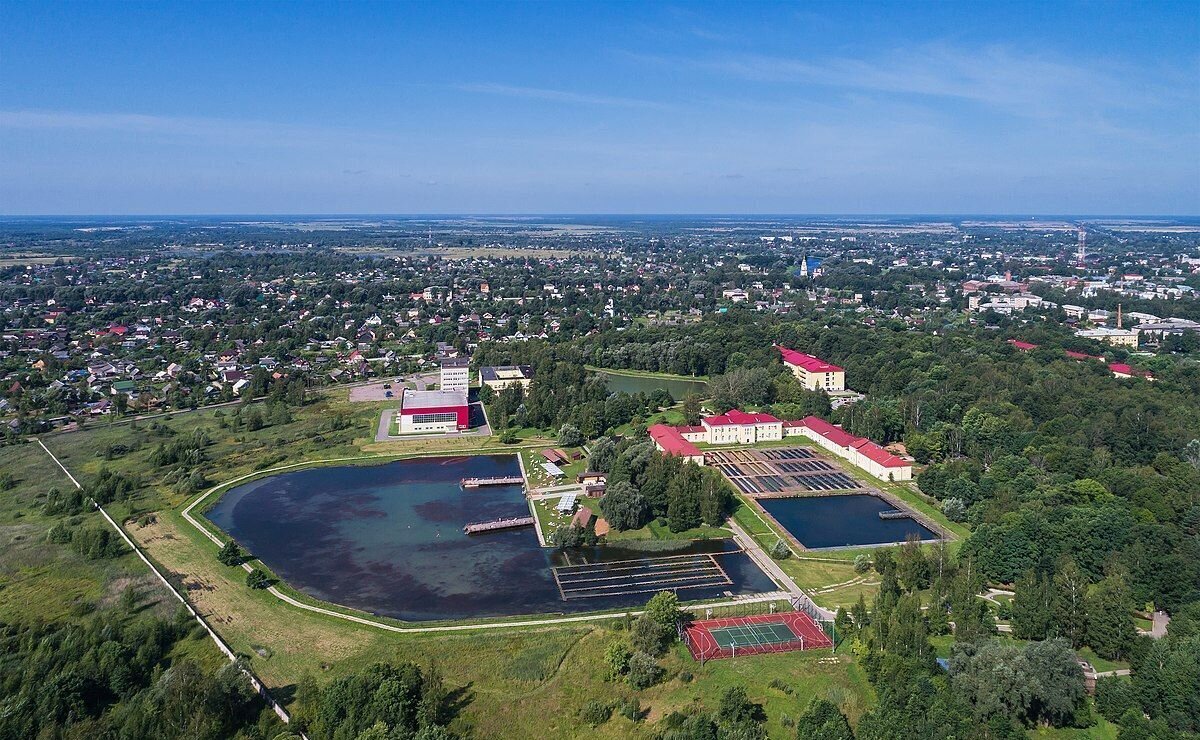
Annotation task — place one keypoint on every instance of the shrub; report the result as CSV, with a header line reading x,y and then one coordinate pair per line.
x,y
630,708
644,672
230,554
686,676
595,713
616,658
862,563
257,579
59,534
780,550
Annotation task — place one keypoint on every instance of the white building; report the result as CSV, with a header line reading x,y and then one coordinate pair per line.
x,y
1116,337
814,373
456,374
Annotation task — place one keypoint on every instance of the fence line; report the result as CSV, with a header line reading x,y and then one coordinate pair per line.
x,y
225,649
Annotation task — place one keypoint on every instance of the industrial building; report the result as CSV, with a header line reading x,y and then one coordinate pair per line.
x,y
444,410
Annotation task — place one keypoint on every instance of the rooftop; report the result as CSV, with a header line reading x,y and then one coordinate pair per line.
x,y
412,400
807,362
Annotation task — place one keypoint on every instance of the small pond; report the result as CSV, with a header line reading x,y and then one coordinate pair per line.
x,y
841,521
677,387
388,539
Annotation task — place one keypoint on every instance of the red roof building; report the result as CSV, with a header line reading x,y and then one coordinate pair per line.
x,y
813,372
1023,346
669,441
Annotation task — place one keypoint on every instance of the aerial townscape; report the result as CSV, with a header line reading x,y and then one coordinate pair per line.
x,y
649,463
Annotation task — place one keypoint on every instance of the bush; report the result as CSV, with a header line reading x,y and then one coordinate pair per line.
x,y
955,509
257,579
780,550
630,708
595,713
686,676
862,563
644,672
616,658
230,554
648,636
59,534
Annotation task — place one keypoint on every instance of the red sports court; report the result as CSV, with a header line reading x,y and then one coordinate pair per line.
x,y
765,633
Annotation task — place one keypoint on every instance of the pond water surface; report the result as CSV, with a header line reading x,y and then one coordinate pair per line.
x,y
388,539
841,521
677,387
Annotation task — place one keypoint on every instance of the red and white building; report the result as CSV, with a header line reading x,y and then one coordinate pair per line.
x,y
739,427
423,412
814,373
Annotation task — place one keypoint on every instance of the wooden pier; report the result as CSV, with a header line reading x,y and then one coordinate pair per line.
x,y
496,524
502,481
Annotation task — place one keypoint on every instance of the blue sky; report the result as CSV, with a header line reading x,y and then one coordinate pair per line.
x,y
907,107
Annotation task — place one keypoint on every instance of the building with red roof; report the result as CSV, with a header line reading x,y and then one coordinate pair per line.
x,y
813,373
1023,346
858,451
1121,370
669,441
739,427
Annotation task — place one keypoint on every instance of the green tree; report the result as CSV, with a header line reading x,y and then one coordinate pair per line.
x,y
624,507
1033,607
230,554
1070,611
663,608
257,579
1110,626
822,720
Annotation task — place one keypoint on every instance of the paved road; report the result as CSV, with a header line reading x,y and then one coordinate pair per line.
x,y
1160,620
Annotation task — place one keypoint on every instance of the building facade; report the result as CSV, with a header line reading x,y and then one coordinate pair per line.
x,y
814,373
456,374
499,378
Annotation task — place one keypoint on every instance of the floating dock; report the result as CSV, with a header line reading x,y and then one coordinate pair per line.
x,y
496,524
895,514
480,482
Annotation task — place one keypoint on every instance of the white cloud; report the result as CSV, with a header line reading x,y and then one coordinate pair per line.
x,y
559,96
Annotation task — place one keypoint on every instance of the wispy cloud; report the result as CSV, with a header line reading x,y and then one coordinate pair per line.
x,y
1018,82
559,96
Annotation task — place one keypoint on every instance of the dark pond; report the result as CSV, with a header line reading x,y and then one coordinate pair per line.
x,y
388,539
677,387
840,521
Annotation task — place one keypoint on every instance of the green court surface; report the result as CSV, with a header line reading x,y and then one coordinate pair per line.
x,y
754,634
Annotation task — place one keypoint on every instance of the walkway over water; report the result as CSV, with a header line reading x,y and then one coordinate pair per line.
x,y
501,481
495,524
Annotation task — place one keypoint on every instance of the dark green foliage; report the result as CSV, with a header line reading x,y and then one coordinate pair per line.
x,y
258,579
644,672
780,550
595,713
624,507
230,554
571,535
96,543
822,720
647,636
1109,608
110,677
402,697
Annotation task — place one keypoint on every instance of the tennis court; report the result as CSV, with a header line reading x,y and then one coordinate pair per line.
x,y
753,634
765,633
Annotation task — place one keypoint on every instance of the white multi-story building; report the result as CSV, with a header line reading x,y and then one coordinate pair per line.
x,y
456,374
814,373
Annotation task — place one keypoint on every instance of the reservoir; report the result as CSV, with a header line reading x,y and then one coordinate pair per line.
x,y
678,386
388,539
841,521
